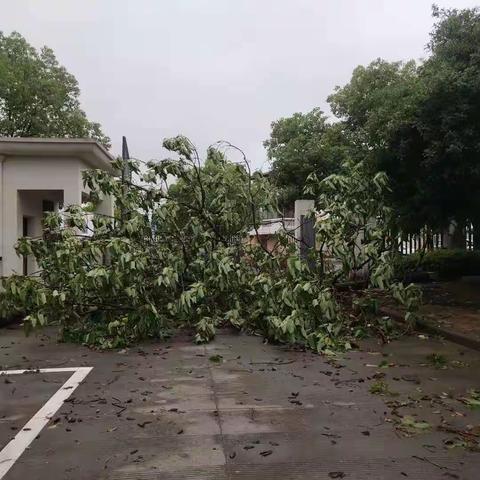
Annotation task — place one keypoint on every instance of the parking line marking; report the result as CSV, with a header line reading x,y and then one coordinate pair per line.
x,y
12,451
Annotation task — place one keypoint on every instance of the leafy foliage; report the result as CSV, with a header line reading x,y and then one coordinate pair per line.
x,y
38,97
409,425
378,99
473,400
176,255
420,124
300,145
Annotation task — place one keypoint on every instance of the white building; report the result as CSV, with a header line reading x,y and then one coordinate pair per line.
x,y
38,175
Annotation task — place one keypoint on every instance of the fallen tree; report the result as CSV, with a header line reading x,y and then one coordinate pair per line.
x,y
175,255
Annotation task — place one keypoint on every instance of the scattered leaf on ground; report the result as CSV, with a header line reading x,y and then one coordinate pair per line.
x,y
216,358
336,475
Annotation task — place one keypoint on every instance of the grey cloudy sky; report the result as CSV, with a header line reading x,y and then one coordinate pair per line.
x,y
215,69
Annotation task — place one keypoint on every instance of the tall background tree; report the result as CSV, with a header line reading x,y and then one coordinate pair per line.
x,y
449,118
300,145
378,102
38,97
421,124
378,99
418,122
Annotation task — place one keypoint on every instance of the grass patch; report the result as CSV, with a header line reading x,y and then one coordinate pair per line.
x,y
437,360
381,388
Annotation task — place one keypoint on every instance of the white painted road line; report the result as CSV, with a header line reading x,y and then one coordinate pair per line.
x,y
12,451
42,370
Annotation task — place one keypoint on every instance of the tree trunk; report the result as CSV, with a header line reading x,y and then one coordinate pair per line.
x,y
476,233
454,236
459,238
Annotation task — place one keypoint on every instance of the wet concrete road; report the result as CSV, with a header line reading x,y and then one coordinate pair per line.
x,y
239,409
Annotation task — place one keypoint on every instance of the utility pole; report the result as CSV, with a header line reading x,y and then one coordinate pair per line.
x,y
126,175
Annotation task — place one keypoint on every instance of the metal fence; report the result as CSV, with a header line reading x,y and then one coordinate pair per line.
x,y
469,237
428,240
411,243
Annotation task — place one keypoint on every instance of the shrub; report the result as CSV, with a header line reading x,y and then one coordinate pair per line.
x,y
448,264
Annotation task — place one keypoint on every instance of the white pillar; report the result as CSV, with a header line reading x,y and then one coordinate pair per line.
x,y
11,263
105,207
2,158
302,208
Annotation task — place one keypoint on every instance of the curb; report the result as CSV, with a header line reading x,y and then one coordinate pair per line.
x,y
434,330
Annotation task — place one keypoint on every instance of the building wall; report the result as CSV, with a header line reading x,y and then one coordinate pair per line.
x,y
31,207
20,175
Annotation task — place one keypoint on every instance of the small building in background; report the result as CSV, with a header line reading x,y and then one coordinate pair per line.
x,y
39,175
268,232
294,225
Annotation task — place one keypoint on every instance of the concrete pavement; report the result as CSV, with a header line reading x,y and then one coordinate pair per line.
x,y
238,409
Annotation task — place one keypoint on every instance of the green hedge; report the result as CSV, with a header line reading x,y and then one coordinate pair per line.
x,y
448,264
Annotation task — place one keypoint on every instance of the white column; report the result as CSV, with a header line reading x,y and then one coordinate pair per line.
x,y
11,263
302,208
2,158
105,207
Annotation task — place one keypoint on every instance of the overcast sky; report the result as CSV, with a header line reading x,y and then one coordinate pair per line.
x,y
215,69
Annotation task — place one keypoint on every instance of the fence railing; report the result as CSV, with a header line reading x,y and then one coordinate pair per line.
x,y
411,243
469,237
428,240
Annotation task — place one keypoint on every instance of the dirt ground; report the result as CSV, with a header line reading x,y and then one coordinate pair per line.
x,y
454,306
238,408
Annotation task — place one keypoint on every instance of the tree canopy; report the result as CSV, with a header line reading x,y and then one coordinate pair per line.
x,y
378,99
300,145
433,158
38,96
417,121
420,123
